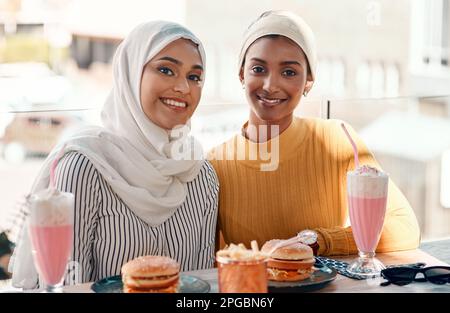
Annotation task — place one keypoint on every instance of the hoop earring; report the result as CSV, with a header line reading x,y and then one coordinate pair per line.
x,y
305,93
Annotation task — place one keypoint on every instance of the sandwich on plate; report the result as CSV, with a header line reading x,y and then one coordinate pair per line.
x,y
156,274
293,262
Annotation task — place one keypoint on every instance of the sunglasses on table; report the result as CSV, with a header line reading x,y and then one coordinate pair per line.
x,y
6,246
405,275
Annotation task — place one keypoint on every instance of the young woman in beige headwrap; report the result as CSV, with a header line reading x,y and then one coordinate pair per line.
x,y
289,175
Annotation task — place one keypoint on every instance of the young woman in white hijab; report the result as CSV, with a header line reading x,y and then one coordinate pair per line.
x,y
141,185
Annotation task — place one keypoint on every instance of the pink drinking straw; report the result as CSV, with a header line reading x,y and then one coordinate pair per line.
x,y
53,167
355,150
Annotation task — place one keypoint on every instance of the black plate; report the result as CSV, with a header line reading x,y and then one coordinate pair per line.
x,y
188,284
319,279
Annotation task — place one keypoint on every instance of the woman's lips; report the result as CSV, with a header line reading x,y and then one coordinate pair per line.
x,y
270,102
175,104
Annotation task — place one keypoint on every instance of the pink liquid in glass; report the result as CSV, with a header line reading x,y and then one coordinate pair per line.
x,y
367,218
52,247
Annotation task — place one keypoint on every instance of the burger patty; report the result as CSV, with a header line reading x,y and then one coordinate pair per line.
x,y
154,277
170,289
276,272
290,264
150,282
288,276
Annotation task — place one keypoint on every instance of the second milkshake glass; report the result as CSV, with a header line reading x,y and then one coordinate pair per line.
x,y
367,194
367,190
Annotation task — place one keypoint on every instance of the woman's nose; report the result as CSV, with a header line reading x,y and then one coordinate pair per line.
x,y
182,85
270,83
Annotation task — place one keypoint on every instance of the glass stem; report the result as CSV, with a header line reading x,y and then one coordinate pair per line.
x,y
366,255
53,288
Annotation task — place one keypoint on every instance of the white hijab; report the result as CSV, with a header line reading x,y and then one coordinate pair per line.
x,y
141,161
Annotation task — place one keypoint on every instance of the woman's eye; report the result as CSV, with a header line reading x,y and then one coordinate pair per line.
x,y
258,69
166,71
289,73
194,77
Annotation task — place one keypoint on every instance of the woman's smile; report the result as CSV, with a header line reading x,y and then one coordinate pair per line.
x,y
270,101
175,104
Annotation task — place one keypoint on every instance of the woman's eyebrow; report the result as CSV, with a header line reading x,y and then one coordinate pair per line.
x,y
258,60
197,67
178,62
281,63
290,63
170,59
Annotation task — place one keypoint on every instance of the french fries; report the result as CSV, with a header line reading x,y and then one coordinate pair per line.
x,y
241,253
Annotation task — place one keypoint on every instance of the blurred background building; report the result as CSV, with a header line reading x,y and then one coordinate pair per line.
x,y
383,67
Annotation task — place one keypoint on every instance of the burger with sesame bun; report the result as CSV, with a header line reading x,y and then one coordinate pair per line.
x,y
293,262
156,274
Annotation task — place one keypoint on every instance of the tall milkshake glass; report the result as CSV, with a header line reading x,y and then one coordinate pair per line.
x,y
51,234
367,189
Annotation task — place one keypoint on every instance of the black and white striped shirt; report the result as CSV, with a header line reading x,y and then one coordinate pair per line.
x,y
107,233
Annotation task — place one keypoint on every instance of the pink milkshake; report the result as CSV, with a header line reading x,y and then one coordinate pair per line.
x,y
51,233
367,189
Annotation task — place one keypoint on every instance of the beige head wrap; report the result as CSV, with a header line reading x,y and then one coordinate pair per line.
x,y
286,24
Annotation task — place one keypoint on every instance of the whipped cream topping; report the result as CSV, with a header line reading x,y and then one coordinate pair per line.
x,y
367,170
51,207
367,182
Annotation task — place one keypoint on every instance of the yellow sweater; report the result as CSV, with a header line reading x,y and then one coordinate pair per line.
x,y
306,191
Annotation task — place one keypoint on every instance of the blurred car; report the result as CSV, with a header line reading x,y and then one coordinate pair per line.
x,y
30,104
34,134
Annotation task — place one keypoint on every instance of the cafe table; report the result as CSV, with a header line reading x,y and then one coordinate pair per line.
x,y
341,284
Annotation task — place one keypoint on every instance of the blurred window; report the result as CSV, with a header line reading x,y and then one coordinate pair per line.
x,y
363,79
331,77
376,80
433,35
392,80
445,180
